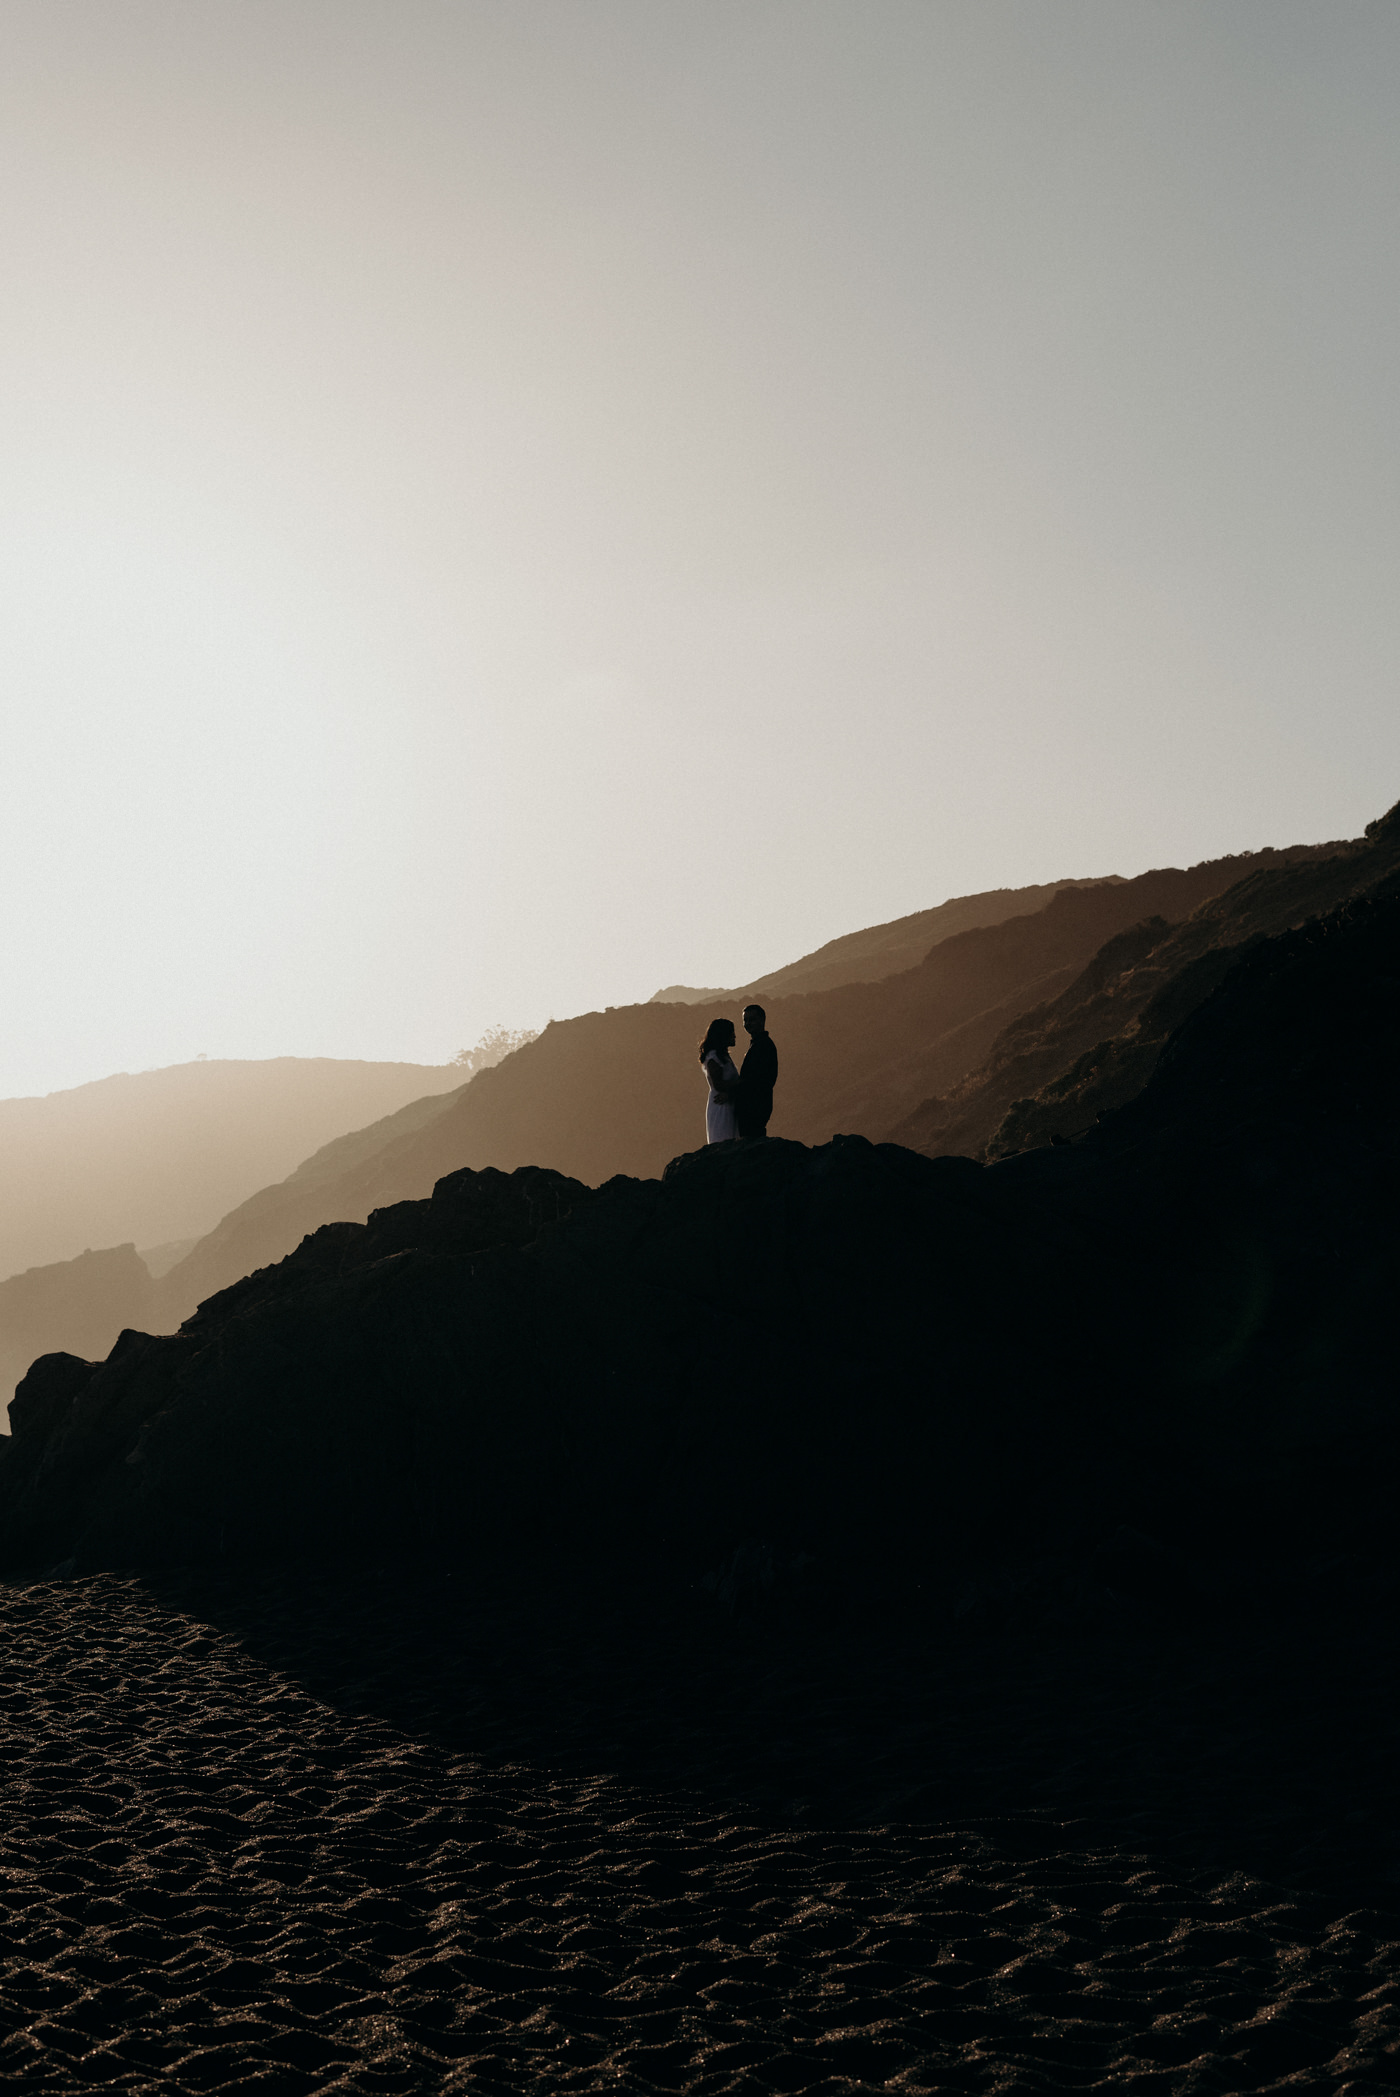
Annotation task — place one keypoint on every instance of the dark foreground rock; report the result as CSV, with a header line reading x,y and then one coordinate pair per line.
x,y
778,1340
1181,1324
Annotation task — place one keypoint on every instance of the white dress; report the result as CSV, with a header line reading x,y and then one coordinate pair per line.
x,y
721,1120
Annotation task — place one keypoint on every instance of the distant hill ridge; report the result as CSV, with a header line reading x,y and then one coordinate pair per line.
x,y
156,1155
280,1216
884,950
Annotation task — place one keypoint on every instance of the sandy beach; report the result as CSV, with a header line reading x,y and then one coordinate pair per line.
x,y
407,1828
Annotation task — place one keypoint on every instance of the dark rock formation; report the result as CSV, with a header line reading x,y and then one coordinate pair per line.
x,y
1255,1178
523,1356
1180,1322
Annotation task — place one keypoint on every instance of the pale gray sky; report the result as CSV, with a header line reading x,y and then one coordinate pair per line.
x,y
503,506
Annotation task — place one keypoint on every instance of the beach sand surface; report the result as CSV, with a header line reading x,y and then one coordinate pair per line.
x,y
408,1827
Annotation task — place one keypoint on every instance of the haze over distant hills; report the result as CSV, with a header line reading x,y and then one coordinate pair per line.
x,y
155,1155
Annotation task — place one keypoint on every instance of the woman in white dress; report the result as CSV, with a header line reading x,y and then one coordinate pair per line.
x,y
721,1112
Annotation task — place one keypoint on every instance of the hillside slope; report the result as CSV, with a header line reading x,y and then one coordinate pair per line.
x,y
884,950
1055,1068
156,1155
272,1221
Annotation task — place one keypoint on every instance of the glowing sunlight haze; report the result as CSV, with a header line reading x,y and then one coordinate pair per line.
x,y
506,505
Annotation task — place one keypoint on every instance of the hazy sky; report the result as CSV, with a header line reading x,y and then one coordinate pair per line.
x,y
503,506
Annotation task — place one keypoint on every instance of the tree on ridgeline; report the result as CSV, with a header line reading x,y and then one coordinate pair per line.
x,y
494,1046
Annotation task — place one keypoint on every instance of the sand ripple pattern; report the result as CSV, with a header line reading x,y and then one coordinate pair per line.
x,y
263,1841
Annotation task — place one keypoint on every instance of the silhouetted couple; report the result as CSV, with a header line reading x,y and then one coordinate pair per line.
x,y
740,1101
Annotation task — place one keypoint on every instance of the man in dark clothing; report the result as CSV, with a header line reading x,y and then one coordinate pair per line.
x,y
758,1076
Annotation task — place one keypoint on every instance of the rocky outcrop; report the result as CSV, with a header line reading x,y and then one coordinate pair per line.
x,y
522,1355
1181,1321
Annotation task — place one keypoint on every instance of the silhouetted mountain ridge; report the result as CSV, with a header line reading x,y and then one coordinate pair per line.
x,y
883,950
1181,1321
618,1091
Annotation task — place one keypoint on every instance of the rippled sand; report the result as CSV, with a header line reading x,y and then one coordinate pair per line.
x,y
409,1831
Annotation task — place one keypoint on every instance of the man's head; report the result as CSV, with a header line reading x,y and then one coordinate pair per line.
x,y
755,1019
